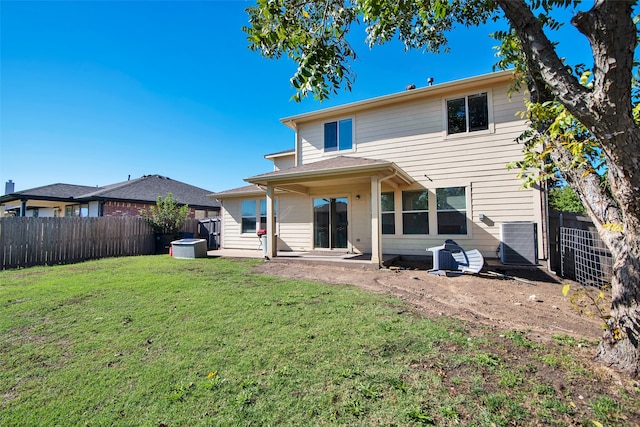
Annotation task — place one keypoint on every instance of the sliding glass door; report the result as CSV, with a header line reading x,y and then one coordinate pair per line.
x,y
330,225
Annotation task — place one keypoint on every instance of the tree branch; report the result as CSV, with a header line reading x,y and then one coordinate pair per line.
x,y
543,59
612,34
594,195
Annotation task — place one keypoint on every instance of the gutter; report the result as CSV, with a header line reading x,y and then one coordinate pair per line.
x,y
324,172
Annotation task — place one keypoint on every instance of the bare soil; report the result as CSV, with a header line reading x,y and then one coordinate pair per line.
x,y
537,307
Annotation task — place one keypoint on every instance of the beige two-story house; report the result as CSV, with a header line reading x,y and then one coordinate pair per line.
x,y
394,175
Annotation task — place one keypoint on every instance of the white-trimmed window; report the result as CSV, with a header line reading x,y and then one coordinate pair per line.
x,y
451,206
338,135
468,113
415,212
248,216
263,212
253,219
387,208
78,210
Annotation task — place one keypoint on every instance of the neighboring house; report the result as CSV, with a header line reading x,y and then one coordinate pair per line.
x,y
126,198
395,175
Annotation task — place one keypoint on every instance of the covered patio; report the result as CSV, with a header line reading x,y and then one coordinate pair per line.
x,y
309,257
341,171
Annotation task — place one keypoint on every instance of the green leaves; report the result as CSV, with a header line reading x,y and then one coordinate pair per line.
x,y
564,199
314,33
166,217
552,126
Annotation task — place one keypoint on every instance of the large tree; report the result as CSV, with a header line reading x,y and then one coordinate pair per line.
x,y
574,120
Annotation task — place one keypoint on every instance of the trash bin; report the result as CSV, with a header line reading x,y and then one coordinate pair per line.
x,y
209,229
263,240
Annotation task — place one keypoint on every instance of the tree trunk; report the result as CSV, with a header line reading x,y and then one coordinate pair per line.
x,y
620,347
606,110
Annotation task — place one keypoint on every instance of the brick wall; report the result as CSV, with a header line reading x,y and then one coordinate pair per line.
x,y
123,208
112,208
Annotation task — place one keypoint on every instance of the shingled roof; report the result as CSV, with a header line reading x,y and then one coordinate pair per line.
x,y
240,191
144,189
335,165
149,187
52,192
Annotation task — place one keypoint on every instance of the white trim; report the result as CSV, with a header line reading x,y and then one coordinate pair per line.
x,y
353,136
491,128
428,91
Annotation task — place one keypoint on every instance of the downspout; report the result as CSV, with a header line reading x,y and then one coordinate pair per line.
x,y
395,172
547,223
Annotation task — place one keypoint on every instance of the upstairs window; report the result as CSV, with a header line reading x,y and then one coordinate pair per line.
x,y
467,114
338,135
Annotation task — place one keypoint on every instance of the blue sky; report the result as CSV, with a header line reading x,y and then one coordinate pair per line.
x,y
92,92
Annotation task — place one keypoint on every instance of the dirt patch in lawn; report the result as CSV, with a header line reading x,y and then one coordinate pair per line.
x,y
539,307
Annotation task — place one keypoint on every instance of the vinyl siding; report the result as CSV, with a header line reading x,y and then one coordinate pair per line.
x,y
294,222
231,219
412,136
296,219
281,163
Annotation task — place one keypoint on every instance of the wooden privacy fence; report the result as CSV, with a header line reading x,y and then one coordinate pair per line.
x,y
26,241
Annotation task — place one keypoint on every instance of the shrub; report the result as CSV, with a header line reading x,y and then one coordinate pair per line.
x,y
166,217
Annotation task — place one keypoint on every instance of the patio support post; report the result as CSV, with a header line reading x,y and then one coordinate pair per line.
x,y
271,239
376,241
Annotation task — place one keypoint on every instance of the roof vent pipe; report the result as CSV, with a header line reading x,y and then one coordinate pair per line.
x,y
9,187
430,81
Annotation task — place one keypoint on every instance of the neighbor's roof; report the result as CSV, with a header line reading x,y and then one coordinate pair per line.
x,y
149,187
50,192
423,92
144,189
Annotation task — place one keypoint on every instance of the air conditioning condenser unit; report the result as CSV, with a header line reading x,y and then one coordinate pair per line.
x,y
519,243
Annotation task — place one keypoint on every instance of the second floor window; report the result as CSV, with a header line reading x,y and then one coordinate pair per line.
x,y
338,135
467,114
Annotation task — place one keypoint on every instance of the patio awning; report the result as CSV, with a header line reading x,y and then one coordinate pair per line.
x,y
341,169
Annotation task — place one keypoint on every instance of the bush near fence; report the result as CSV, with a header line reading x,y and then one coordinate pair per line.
x,y
27,241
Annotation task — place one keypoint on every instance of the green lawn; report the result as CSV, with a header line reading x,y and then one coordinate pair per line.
x,y
155,341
